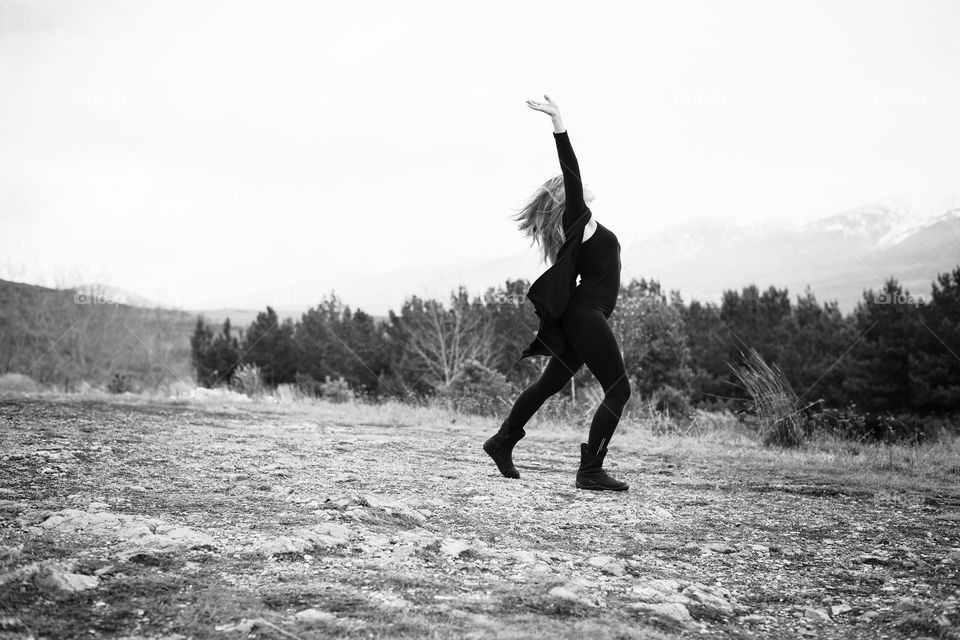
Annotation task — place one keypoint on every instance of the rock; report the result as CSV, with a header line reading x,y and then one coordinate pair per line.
x,y
244,626
647,594
142,534
712,603
608,563
817,615
453,547
868,616
390,600
837,609
760,548
720,547
673,614
390,505
57,581
327,534
867,558
666,585
283,544
523,556
757,618
312,617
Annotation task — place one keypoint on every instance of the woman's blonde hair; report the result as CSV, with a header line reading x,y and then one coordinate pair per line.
x,y
542,218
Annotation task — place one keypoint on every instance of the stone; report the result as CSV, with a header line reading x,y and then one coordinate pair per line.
x,y
647,594
838,609
720,547
666,585
673,614
312,617
56,580
283,544
142,534
817,615
712,603
608,564
453,547
243,626
523,556
390,600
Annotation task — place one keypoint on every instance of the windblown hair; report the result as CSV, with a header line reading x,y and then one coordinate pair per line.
x,y
542,218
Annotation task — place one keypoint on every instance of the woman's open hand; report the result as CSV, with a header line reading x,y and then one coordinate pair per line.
x,y
549,107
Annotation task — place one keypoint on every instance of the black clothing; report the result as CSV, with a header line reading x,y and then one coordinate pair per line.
x,y
557,286
599,267
592,342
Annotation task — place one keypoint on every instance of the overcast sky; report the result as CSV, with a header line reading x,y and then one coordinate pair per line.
x,y
193,151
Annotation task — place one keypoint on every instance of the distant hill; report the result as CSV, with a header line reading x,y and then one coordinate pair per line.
x,y
838,257
65,337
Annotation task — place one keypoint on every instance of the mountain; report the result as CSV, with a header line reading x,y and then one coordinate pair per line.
x,y
838,256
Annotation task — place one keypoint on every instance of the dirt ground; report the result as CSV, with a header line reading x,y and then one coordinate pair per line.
x,y
134,519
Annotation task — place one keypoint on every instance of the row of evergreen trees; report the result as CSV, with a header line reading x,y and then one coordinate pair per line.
x,y
892,353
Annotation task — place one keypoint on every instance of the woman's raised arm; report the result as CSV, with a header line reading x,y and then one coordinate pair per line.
x,y
572,183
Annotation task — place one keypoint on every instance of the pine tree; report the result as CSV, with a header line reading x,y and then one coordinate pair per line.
x,y
878,366
936,377
269,345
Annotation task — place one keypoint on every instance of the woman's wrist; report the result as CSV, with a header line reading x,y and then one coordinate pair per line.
x,y
558,124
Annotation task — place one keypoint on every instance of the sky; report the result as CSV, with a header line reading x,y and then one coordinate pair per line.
x,y
196,151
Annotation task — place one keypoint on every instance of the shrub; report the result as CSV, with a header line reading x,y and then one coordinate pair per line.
x,y
248,381
17,383
124,383
307,385
671,401
336,390
478,390
286,393
772,400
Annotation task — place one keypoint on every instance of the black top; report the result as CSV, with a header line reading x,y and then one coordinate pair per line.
x,y
598,261
599,268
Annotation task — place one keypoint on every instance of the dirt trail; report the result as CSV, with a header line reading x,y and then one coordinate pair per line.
x,y
170,521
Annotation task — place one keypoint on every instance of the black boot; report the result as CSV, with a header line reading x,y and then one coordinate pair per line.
x,y
591,476
500,447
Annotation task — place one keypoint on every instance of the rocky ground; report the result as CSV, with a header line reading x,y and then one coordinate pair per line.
x,y
176,520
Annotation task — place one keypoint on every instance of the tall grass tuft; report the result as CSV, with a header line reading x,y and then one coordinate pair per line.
x,y
773,401
248,380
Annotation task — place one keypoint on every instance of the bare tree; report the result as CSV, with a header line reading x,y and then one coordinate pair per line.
x,y
436,341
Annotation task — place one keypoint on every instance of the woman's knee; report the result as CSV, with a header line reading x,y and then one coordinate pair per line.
x,y
620,390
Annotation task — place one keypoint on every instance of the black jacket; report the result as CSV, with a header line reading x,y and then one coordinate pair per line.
x,y
551,292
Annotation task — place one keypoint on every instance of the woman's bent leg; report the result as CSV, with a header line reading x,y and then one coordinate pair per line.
x,y
588,331
555,376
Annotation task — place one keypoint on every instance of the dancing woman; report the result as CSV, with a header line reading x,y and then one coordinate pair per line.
x,y
573,319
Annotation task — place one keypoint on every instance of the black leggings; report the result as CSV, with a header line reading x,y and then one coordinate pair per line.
x,y
593,342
